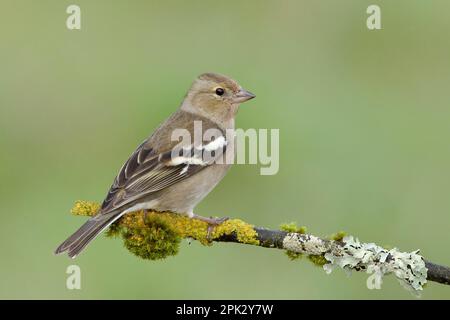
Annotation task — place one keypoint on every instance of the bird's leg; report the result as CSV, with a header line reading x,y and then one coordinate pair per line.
x,y
145,215
212,222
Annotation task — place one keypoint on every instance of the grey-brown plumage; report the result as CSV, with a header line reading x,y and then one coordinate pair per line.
x,y
166,175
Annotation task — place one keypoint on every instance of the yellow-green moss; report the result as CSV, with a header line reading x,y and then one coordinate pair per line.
x,y
186,227
85,208
160,234
245,233
338,236
292,227
318,260
293,255
153,239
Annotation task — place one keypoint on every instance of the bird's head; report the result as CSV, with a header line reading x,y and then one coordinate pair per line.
x,y
216,95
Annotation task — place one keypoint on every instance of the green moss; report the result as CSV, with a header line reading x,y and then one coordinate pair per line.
x,y
338,236
157,240
245,233
152,239
293,255
85,208
318,260
292,227
186,227
113,230
159,236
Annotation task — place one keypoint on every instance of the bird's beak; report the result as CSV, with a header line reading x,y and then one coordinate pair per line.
x,y
242,96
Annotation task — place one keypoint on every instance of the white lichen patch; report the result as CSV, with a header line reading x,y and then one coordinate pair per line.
x,y
304,243
409,268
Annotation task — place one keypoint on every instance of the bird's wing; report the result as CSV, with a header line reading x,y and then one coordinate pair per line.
x,y
147,171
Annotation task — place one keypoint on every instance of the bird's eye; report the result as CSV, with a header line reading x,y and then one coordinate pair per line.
x,y
220,91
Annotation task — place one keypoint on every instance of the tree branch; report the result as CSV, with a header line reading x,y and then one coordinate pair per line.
x,y
276,239
157,235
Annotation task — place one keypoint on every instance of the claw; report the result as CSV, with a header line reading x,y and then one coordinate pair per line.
x,y
145,215
212,223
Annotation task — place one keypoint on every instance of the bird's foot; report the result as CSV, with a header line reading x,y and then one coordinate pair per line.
x,y
212,223
145,215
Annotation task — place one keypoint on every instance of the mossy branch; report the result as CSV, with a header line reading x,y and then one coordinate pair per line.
x,y
157,235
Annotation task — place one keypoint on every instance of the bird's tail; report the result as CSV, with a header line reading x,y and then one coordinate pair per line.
x,y
87,232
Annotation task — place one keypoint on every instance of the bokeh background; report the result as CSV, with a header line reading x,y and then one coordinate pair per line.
x,y
363,118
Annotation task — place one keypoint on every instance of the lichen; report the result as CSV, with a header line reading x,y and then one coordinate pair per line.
x,y
305,243
292,227
409,268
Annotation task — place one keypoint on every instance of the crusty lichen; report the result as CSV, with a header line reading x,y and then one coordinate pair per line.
x,y
319,259
157,235
409,268
293,228
302,245
306,244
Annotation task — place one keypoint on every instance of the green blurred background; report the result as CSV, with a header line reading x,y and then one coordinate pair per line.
x,y
364,129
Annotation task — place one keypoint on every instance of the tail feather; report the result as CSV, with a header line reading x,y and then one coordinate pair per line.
x,y
86,233
78,246
76,235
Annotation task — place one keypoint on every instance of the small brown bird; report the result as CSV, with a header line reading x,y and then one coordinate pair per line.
x,y
166,175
